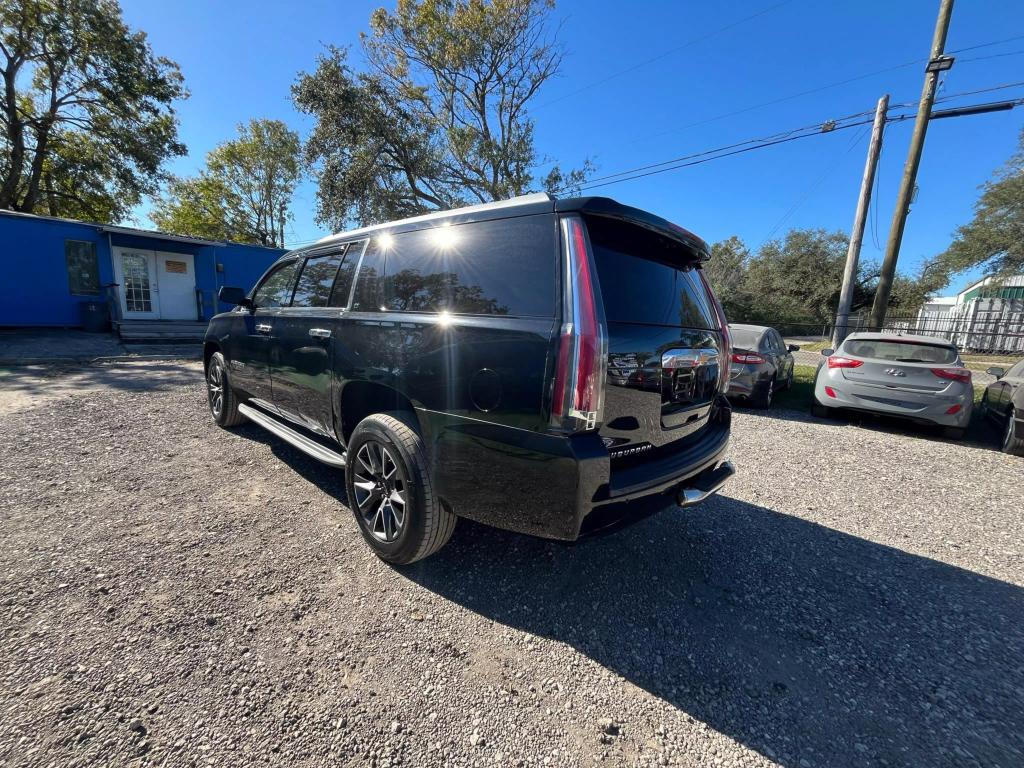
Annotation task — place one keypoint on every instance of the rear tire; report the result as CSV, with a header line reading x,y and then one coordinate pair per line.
x,y
763,397
220,396
389,490
1012,445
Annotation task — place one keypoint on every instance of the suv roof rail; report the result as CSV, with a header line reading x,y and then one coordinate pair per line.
x,y
524,200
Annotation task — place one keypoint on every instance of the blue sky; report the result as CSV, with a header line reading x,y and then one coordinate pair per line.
x,y
240,59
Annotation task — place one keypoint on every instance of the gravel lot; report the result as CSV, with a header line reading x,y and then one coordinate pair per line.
x,y
173,593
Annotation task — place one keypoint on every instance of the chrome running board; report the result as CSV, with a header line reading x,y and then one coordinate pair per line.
x,y
292,437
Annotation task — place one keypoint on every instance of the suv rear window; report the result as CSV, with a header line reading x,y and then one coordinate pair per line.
x,y
900,351
639,282
502,267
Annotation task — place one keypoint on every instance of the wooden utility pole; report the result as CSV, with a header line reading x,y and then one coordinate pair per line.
x,y
859,218
937,63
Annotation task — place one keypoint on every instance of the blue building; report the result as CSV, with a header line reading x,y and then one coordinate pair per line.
x,y
51,266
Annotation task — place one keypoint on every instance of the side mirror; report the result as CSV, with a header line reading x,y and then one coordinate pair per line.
x,y
996,371
235,296
827,351
793,347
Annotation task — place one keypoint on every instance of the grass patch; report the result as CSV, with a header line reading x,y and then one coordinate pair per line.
x,y
801,394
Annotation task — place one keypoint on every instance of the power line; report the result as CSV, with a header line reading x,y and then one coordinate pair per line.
x,y
990,56
989,44
874,198
698,158
981,90
818,182
815,127
739,151
782,99
667,53
836,84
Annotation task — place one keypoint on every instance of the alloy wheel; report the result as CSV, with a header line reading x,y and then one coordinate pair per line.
x,y
381,491
1008,437
215,388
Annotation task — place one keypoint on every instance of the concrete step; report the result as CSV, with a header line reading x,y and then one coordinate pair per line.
x,y
137,330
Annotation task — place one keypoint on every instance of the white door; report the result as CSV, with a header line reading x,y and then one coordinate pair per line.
x,y
176,275
135,270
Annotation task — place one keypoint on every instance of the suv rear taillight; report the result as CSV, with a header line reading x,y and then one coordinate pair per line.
x,y
577,401
955,374
725,356
835,361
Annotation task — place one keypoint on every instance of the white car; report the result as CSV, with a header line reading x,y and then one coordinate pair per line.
x,y
920,378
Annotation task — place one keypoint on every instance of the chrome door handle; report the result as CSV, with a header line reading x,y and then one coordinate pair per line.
x,y
260,328
320,333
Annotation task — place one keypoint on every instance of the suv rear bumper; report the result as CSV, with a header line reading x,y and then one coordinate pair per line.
x,y
559,487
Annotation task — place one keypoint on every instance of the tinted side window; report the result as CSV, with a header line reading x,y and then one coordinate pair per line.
x,y
316,280
636,287
503,267
347,272
371,272
276,289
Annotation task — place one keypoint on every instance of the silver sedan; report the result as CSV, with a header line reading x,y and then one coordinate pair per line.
x,y
920,378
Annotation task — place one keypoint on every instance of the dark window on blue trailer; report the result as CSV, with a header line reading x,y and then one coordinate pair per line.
x,y
83,267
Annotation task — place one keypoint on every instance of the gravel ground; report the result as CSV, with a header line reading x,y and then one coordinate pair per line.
x,y
173,593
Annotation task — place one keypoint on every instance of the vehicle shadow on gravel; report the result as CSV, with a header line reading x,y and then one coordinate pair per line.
x,y
980,433
799,641
329,480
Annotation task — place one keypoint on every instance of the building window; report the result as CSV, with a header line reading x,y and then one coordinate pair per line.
x,y
83,267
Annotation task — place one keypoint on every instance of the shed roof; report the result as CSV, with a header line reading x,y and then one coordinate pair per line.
x,y
130,231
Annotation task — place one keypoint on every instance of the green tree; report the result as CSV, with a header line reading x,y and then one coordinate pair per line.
x,y
244,193
440,119
796,281
994,239
86,113
726,270
798,277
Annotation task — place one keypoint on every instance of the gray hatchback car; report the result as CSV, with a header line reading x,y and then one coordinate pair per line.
x,y
920,378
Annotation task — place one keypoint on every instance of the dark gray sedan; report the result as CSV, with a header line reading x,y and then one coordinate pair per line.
x,y
761,364
1003,405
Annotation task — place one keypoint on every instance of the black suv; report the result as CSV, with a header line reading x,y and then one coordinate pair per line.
x,y
547,366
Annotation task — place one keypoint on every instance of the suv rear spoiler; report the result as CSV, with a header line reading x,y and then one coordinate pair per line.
x,y
697,249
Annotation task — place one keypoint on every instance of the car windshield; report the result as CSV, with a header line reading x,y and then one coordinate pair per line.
x,y
900,351
744,338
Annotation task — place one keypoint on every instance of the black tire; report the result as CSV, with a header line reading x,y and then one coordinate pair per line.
x,y
762,398
386,457
220,396
1012,444
954,433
